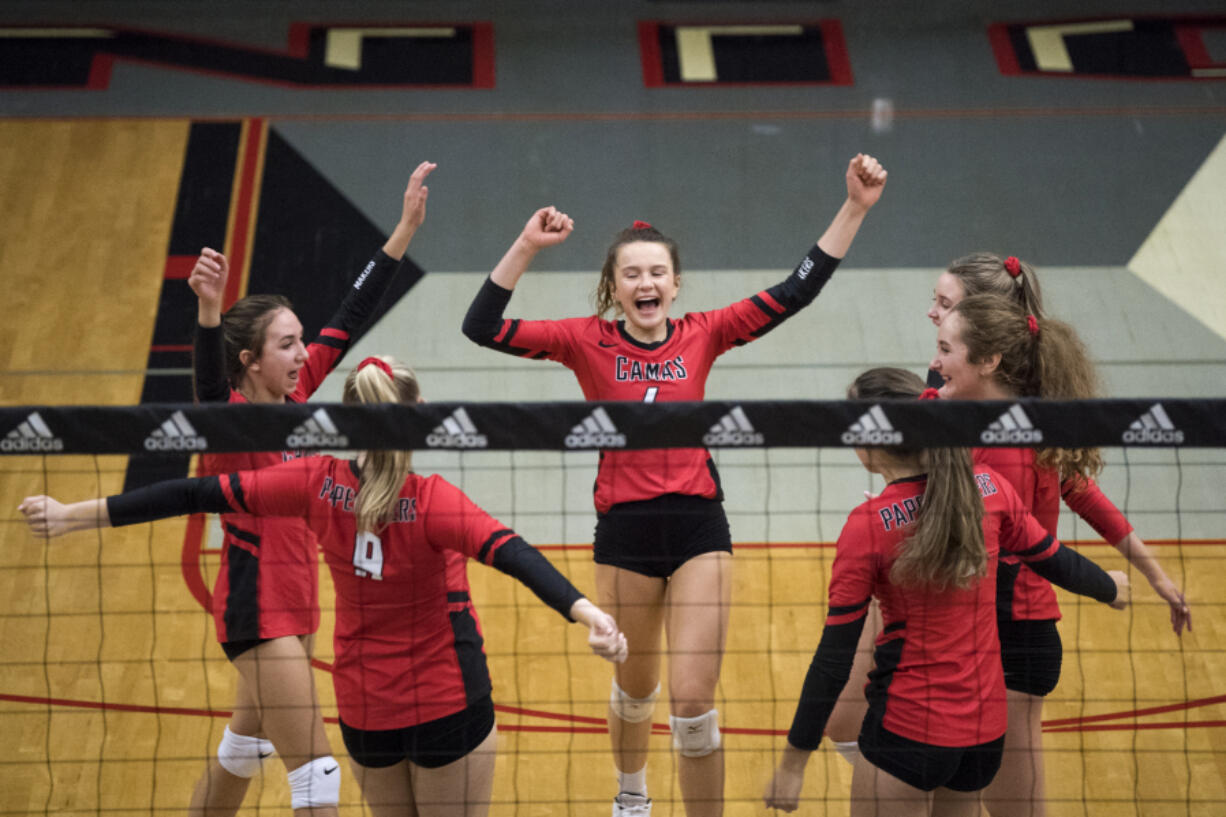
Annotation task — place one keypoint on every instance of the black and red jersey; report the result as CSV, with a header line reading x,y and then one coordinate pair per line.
x,y
938,677
1023,594
268,583
400,658
612,365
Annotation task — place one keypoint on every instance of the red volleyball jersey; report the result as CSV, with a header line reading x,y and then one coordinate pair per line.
x,y
938,674
1024,595
612,365
399,660
272,588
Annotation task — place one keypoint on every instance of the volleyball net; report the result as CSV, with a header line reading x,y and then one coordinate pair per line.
x,y
114,693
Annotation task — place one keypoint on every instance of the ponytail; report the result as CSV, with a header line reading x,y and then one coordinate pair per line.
x,y
1039,357
984,273
945,547
381,380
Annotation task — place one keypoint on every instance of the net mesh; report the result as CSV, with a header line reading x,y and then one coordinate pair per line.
x,y
114,692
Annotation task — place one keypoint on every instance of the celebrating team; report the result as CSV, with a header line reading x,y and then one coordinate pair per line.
x,y
959,666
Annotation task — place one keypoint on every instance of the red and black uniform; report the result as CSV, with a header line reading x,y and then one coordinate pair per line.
x,y
612,365
937,689
1027,610
268,583
403,657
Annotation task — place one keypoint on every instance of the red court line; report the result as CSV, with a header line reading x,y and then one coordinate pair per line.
x,y
1153,710
170,347
249,163
829,545
1124,727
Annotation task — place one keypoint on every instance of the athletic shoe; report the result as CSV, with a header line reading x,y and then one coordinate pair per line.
x,y
631,805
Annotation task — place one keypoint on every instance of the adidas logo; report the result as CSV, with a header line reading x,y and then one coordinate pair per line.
x,y
1154,427
317,432
1012,427
733,428
873,428
596,431
31,436
176,434
457,431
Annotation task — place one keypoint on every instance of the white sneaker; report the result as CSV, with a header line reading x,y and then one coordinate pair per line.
x,y
631,805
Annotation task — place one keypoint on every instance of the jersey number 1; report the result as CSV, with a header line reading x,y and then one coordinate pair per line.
x,y
368,555
650,396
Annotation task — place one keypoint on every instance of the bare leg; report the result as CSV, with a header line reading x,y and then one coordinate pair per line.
x,y
950,803
637,603
388,791
459,789
698,604
1019,789
278,674
848,715
875,793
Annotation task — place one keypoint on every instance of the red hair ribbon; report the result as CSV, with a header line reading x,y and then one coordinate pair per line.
x,y
640,225
382,364
1013,266
929,394
1033,325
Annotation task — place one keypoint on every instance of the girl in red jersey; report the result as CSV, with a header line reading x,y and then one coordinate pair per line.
x,y
990,348
411,680
926,548
662,544
266,596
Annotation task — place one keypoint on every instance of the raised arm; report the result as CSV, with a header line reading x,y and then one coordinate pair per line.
x,y
548,227
865,181
412,212
208,281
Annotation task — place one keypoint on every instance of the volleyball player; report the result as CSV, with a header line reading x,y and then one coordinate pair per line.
x,y
990,348
266,596
662,544
926,548
411,680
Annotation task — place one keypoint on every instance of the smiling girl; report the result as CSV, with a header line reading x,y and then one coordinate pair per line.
x,y
662,546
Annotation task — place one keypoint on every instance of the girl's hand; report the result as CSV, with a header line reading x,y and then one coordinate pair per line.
x,y
208,278
44,515
865,180
1123,590
414,211
548,227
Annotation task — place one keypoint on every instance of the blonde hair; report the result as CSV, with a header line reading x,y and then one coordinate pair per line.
x,y
1049,361
984,273
945,548
383,471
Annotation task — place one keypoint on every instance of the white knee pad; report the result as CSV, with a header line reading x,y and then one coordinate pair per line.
x,y
849,749
696,737
316,784
243,755
632,710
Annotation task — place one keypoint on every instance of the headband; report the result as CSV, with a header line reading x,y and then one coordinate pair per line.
x,y
641,225
929,394
1013,266
1033,325
381,364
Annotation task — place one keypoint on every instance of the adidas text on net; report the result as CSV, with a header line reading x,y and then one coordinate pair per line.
x,y
1011,435
595,439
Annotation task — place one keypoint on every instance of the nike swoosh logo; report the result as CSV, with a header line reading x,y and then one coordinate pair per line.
x,y
605,345
330,771
265,754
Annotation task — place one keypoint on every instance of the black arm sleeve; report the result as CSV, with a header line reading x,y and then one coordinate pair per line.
x,y
827,675
1075,573
800,288
484,317
520,560
364,296
209,365
172,497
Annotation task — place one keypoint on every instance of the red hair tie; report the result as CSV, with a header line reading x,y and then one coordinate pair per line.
x,y
1032,324
382,364
641,225
1013,266
929,394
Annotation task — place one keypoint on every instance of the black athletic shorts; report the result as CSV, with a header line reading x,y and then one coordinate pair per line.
x,y
656,536
1031,654
233,649
928,767
431,744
